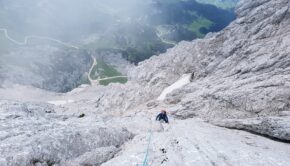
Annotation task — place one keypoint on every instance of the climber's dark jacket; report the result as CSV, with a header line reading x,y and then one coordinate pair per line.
x,y
162,116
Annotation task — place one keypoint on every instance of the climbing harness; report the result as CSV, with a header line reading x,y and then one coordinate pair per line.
x,y
145,162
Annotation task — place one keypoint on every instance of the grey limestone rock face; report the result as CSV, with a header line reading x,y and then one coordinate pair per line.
x,y
95,157
239,66
273,127
36,134
240,72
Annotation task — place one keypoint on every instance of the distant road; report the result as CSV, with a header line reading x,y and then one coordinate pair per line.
x,y
163,40
109,78
91,69
96,81
27,38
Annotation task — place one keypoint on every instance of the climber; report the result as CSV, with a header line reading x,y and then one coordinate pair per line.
x,y
162,117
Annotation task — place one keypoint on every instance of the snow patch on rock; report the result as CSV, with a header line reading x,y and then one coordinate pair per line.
x,y
184,80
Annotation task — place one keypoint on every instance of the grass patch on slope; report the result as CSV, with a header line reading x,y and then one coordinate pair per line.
x,y
103,70
197,25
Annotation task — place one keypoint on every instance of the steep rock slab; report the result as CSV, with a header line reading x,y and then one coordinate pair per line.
x,y
273,127
35,133
193,142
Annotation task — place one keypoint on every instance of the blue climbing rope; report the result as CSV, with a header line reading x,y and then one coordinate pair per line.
x,y
145,162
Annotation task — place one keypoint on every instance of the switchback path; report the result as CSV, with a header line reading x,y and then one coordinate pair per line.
x,y
27,38
163,40
96,81
90,71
